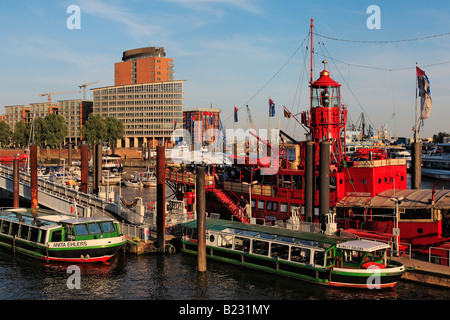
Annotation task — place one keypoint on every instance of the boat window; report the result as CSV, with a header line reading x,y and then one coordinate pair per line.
x,y
272,206
108,226
242,244
94,228
283,207
260,247
43,236
287,181
5,227
353,256
225,241
267,236
261,204
248,233
299,254
319,258
34,234
330,260
56,236
296,182
24,232
14,229
279,251
81,229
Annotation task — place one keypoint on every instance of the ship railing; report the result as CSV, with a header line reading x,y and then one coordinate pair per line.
x,y
439,258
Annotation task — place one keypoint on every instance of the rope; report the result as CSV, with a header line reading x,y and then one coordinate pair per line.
x,y
386,41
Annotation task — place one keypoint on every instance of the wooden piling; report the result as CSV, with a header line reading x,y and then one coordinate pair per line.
x,y
16,182
201,219
416,161
69,156
160,196
33,176
97,166
324,188
309,181
84,167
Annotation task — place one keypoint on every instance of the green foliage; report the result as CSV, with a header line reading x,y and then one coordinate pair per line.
x,y
55,129
115,131
40,130
438,138
94,130
21,134
5,133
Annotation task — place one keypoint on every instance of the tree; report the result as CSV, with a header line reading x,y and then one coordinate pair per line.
x,y
5,133
438,138
56,129
40,131
94,130
115,131
21,134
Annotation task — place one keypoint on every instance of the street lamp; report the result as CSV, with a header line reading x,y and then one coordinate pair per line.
x,y
396,230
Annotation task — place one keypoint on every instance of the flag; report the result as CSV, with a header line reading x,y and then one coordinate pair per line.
x,y
287,114
174,124
235,114
71,209
271,108
424,92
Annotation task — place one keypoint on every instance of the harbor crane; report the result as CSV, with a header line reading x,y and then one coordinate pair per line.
x,y
84,88
49,94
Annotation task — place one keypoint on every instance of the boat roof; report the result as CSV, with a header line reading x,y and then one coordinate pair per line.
x,y
222,225
362,245
45,217
412,199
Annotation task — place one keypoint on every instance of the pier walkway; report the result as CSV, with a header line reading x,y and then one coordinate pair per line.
x,y
425,272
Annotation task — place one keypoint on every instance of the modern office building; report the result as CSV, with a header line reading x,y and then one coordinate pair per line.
x,y
148,111
143,65
75,112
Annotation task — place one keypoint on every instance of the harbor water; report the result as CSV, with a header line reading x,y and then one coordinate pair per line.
x,y
173,277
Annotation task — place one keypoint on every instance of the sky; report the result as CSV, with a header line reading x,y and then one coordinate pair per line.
x,y
237,52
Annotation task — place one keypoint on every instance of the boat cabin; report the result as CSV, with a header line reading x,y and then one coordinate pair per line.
x,y
54,228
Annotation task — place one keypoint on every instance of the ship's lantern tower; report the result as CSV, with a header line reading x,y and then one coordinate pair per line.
x,y
327,117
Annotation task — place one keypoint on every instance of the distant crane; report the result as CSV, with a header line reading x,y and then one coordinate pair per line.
x,y
84,88
49,94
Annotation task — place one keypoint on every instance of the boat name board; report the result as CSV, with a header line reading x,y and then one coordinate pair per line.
x,y
68,244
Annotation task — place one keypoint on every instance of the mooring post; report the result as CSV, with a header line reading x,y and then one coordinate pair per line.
x,y
324,188
69,156
33,176
16,182
84,167
201,219
309,181
97,167
416,161
161,196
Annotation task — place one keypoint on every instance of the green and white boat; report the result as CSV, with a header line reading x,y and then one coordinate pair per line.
x,y
314,257
55,237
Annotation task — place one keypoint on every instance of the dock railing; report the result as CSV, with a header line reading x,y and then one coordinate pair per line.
x,y
439,259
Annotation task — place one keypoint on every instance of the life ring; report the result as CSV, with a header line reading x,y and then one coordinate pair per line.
x,y
170,248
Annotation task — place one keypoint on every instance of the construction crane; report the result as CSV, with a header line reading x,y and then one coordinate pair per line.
x,y
84,88
49,94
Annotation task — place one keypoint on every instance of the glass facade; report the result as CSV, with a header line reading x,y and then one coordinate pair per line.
x,y
147,110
